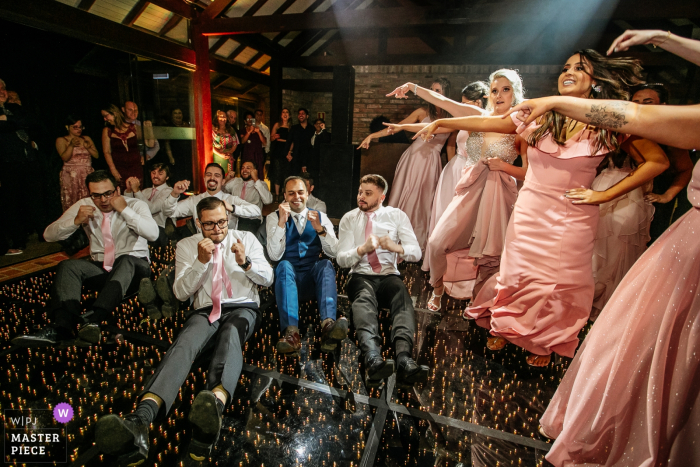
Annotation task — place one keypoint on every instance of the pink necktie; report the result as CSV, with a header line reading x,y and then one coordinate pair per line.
x,y
218,278
372,256
153,193
108,241
243,191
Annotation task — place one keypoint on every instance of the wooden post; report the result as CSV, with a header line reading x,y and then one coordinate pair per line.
x,y
202,107
275,90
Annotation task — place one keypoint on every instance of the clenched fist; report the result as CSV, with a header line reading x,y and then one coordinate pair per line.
x,y
85,213
118,202
371,244
284,213
205,250
238,249
388,244
179,188
315,220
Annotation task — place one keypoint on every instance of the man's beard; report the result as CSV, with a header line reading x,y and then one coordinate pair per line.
x,y
245,179
368,206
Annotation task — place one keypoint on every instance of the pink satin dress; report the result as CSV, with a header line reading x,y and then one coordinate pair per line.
x,y
542,296
415,181
468,239
73,175
623,233
631,396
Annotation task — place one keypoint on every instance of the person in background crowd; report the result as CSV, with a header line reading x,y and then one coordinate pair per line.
x,y
145,136
155,196
298,147
280,166
372,239
253,142
669,193
296,236
264,129
225,142
119,229
179,151
221,270
13,98
319,138
75,151
312,202
121,146
251,189
14,150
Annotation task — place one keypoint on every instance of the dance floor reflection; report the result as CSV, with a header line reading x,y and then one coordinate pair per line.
x,y
479,408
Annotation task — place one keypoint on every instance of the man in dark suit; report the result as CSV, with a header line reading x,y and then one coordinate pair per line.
x,y
299,143
320,137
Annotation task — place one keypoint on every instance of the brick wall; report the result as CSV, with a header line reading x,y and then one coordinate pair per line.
x,y
314,101
372,83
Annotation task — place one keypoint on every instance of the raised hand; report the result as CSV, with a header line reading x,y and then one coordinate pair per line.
x,y
585,196
427,133
228,206
401,91
254,175
531,109
365,143
238,249
371,244
631,38
284,213
315,220
388,244
133,184
229,176
76,142
180,187
205,250
85,213
393,128
118,202
289,157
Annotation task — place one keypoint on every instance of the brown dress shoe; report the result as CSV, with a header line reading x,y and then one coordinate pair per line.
x,y
332,332
290,342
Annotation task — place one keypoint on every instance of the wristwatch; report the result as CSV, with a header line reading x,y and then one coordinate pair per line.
x,y
322,232
247,263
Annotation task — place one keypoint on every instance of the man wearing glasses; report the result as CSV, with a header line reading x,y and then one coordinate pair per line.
x,y
119,230
221,270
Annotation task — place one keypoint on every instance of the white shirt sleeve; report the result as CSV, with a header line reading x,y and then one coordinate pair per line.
x,y
64,227
266,133
175,209
260,271
347,250
276,238
244,208
264,191
189,272
409,242
330,241
138,218
151,152
230,187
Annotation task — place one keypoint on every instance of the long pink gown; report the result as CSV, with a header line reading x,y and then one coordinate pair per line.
x,y
631,396
415,180
542,296
623,234
73,175
474,224
445,190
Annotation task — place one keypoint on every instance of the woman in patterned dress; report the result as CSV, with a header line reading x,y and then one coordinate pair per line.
x,y
75,150
225,142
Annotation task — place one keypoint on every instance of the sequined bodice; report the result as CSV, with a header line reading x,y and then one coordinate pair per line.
x,y
503,148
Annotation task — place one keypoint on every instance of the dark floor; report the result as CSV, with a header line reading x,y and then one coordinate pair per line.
x,y
479,408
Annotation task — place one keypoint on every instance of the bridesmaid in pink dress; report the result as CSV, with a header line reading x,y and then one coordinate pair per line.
x,y
542,296
465,247
75,150
418,170
631,396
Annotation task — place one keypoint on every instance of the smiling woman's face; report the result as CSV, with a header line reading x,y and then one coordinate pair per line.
x,y
501,96
574,79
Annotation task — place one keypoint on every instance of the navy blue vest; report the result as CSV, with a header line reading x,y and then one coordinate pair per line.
x,y
302,250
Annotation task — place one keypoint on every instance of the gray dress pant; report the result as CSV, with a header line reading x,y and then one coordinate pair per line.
x,y
235,326
74,273
368,293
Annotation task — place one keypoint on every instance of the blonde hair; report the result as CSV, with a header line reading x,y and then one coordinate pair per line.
x,y
516,83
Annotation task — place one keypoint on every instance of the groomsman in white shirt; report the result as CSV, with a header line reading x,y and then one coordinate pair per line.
x,y
221,269
155,197
214,182
372,239
119,229
249,188
313,202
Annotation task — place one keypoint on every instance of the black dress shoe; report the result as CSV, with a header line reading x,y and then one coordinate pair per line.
x,y
205,418
410,373
47,336
125,437
377,369
165,291
332,333
90,332
148,297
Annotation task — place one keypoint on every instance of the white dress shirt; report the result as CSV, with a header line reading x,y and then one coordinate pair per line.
x,y
266,133
150,152
256,193
193,278
313,138
387,220
155,204
314,203
188,207
277,239
132,229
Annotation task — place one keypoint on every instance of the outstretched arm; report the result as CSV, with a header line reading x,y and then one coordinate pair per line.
x,y
457,109
415,117
673,125
495,124
681,46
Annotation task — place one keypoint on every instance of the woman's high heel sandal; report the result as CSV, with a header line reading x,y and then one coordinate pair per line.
x,y
432,298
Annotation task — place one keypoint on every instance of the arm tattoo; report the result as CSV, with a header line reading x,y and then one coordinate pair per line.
x,y
611,116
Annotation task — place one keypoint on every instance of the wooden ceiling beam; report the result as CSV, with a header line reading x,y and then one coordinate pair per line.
x,y
178,7
135,12
254,9
215,8
171,24
85,5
